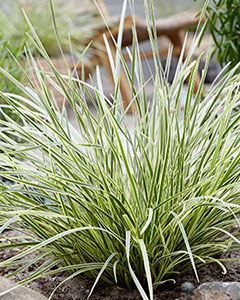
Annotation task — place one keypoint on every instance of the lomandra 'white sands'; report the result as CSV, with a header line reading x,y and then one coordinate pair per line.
x,y
131,208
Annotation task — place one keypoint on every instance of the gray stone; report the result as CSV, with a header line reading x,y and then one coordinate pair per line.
x,y
20,293
218,291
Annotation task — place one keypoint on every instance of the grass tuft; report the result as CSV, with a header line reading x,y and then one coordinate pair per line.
x,y
127,205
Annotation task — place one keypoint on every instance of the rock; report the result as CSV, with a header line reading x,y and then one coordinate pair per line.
x,y
20,293
217,291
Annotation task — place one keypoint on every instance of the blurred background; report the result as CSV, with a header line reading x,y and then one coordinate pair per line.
x,y
82,20
163,8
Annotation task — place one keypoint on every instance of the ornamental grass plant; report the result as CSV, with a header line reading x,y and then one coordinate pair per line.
x,y
132,205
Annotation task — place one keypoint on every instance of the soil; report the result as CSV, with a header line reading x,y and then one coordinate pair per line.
x,y
78,288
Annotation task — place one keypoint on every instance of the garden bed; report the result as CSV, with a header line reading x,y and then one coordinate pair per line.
x,y
78,288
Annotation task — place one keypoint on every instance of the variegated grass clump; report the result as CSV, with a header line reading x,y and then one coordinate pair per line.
x,y
132,206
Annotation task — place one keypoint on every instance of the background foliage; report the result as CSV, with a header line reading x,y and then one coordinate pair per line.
x,y
79,20
10,55
224,24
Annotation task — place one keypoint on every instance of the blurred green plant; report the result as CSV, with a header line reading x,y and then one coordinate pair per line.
x,y
76,22
223,18
127,205
10,55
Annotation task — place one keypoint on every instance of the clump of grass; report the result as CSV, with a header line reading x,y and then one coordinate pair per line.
x,y
132,206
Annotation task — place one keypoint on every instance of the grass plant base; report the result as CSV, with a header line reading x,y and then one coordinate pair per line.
x,y
78,288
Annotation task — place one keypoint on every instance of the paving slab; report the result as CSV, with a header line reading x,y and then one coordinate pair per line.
x,y
20,293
